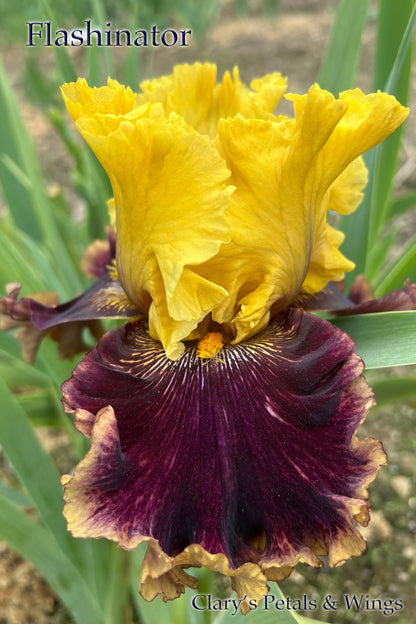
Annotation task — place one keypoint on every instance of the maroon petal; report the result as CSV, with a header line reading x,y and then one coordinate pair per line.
x,y
40,312
249,458
99,255
400,299
360,299
15,314
361,290
104,299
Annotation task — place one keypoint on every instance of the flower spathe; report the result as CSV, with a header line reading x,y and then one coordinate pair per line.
x,y
223,420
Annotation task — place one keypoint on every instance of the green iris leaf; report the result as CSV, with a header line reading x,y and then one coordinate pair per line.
x,y
383,339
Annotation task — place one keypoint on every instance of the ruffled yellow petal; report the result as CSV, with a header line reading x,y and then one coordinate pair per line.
x,y
170,196
188,92
232,97
346,192
340,173
192,300
82,100
192,93
268,91
189,243
368,119
344,195
281,242
271,212
111,206
327,263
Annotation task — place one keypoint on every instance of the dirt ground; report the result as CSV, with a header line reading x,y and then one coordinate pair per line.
x,y
293,43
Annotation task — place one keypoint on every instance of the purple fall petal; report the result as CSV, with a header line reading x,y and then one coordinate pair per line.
x,y
400,299
40,315
251,456
104,299
360,300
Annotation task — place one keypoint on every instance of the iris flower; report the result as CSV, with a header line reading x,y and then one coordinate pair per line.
x,y
222,415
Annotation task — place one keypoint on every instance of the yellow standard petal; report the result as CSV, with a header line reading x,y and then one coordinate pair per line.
x,y
82,100
192,92
346,192
171,195
271,212
340,173
188,92
288,174
194,243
